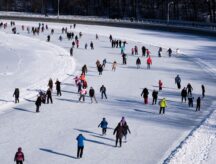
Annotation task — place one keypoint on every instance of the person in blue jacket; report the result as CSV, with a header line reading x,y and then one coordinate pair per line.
x,y
80,141
103,125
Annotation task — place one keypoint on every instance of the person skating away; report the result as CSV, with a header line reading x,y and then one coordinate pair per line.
x,y
104,63
79,86
80,145
86,46
103,92
136,50
159,52
147,53
178,81
16,95
198,104
145,94
96,37
38,103
163,106
138,63
49,95
92,45
83,93
190,100
154,97
143,51
189,88
132,51
124,58
119,134
160,83
19,156
203,91
100,69
84,69
114,65
169,52
184,94
58,87
50,84
103,124
149,62
71,51
92,94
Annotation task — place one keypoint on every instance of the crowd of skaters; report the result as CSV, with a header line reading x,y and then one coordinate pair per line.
x,y
122,127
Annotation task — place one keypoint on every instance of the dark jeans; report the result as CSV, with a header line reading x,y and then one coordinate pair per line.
x,y
118,139
80,151
82,97
59,92
104,131
16,99
154,101
49,98
179,85
184,99
198,108
37,108
103,94
19,162
162,109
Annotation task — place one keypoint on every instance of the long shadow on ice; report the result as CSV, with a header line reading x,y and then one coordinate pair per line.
x,y
57,153
98,142
69,100
23,110
86,131
110,139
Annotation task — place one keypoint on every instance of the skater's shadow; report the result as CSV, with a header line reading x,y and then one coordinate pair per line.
x,y
29,100
68,84
24,110
110,139
138,110
69,100
86,131
57,153
98,142
70,92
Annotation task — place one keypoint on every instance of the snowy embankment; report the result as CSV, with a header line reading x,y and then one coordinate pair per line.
x,y
27,63
50,135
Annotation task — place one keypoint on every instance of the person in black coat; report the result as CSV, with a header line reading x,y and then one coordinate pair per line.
x,y
119,131
126,130
184,94
49,96
92,94
155,97
16,95
189,88
103,91
145,93
100,69
143,50
38,103
203,91
58,87
198,104
71,51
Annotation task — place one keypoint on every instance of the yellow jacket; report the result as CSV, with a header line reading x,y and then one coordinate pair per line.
x,y
163,103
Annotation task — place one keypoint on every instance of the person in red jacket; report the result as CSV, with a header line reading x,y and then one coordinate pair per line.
x,y
149,62
19,156
160,85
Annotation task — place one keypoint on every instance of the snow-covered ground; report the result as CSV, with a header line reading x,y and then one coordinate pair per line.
x,y
50,135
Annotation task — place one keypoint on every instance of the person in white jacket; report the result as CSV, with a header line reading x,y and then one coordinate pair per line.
x,y
83,92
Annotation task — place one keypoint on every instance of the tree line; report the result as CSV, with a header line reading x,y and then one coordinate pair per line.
x,y
183,10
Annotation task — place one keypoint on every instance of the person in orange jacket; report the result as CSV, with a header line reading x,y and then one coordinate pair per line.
x,y
82,77
149,62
